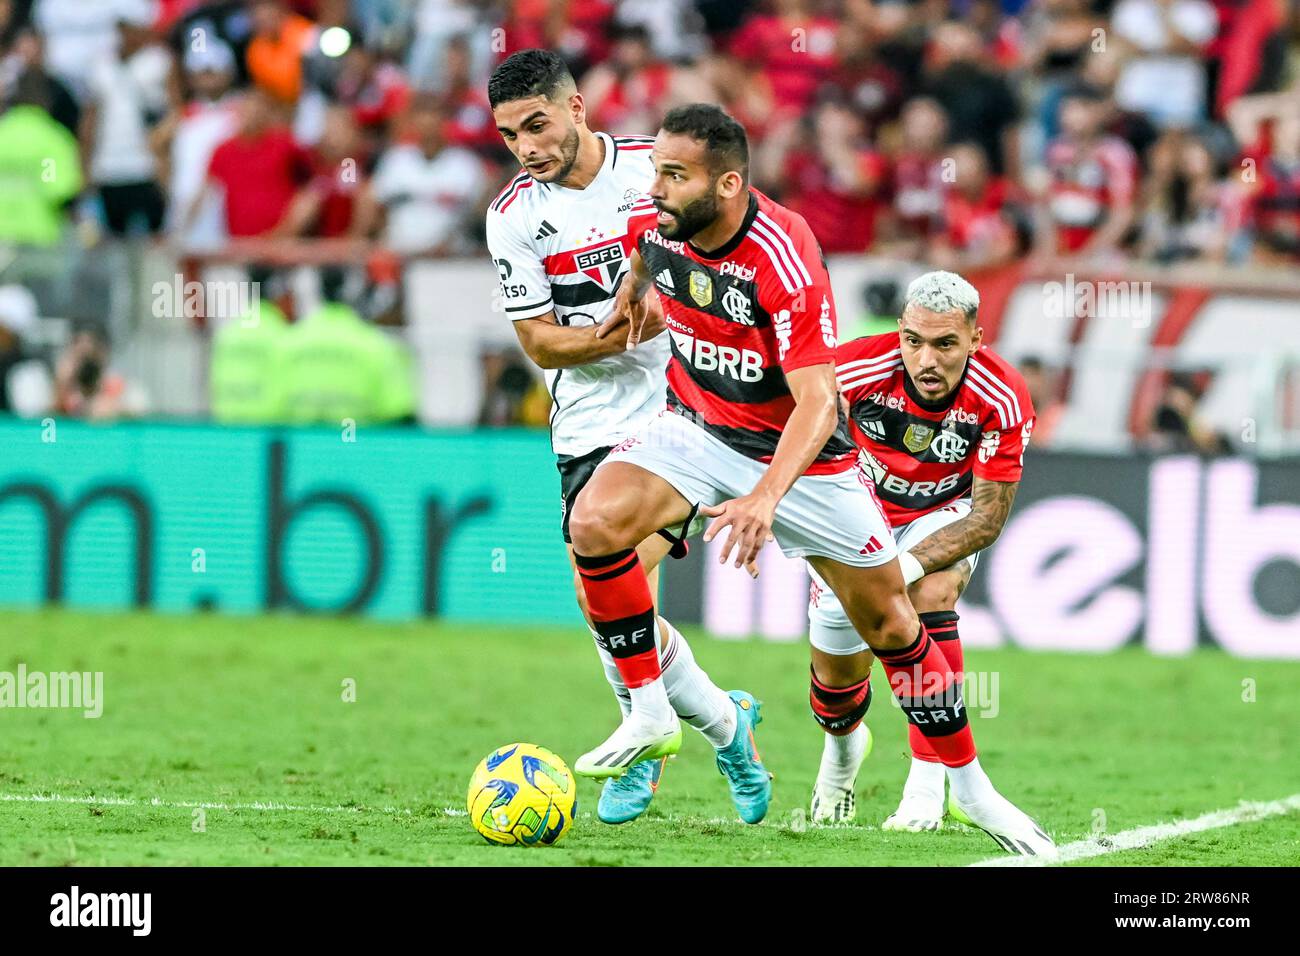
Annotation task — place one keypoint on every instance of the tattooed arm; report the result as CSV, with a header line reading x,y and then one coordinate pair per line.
x,y
990,505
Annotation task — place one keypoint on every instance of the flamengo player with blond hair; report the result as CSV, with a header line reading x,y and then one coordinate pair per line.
x,y
755,438
943,422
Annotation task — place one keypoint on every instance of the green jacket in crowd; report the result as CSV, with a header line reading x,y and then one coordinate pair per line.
x,y
40,170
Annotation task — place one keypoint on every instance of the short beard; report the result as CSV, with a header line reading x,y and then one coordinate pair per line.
x,y
568,157
694,216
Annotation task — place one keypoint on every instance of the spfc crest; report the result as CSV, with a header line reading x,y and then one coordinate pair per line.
x,y
917,438
601,264
701,289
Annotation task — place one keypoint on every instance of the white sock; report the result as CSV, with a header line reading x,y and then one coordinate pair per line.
x,y
925,779
970,784
698,701
613,676
841,757
650,703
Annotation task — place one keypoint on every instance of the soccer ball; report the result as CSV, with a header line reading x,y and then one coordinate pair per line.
x,y
522,794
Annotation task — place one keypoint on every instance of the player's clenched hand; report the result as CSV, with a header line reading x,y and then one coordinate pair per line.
x,y
750,520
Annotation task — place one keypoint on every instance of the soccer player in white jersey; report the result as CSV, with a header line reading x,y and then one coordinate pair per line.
x,y
558,236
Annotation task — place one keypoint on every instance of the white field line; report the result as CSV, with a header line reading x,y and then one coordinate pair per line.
x,y
1139,837
271,805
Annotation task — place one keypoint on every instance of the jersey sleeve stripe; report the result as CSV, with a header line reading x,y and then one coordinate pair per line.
x,y
781,269
999,386
544,304
862,380
789,274
889,358
514,195
784,240
509,188
996,402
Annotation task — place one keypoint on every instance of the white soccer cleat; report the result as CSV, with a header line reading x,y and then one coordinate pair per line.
x,y
833,804
916,813
1009,826
636,739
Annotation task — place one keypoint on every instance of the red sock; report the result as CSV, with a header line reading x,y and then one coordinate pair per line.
x,y
622,612
942,628
926,687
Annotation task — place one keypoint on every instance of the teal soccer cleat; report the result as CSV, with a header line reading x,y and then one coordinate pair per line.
x,y
625,798
751,784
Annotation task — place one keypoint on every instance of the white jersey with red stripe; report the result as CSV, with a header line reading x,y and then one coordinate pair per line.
x,y
924,455
566,250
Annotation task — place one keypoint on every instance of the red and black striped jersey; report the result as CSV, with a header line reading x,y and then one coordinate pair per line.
x,y
740,317
923,454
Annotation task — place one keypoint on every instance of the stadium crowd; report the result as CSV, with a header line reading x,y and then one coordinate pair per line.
x,y
959,133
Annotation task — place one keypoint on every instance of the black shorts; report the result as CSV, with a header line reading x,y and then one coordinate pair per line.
x,y
575,472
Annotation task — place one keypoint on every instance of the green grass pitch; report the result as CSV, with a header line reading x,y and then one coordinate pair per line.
x,y
240,712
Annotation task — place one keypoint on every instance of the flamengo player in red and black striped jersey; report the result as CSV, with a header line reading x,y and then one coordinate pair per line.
x,y
943,422
557,234
754,437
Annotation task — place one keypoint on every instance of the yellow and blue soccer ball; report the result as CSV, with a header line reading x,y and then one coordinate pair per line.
x,y
522,794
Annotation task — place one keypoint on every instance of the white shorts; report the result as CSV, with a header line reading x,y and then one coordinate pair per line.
x,y
829,629
832,516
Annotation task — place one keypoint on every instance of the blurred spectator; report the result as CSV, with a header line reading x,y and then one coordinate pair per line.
x,y
425,190
336,366
1249,53
834,180
631,91
187,138
1045,393
1191,214
1089,202
511,393
1176,427
793,47
258,170
437,24
25,386
126,95
674,27
917,175
980,103
26,57
210,23
86,386
375,90
281,38
39,165
1165,78
470,122
577,30
245,379
326,206
873,86
79,34
1268,127
977,230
